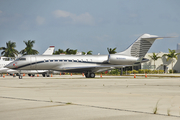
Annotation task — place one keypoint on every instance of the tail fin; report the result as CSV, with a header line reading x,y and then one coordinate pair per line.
x,y
141,46
49,51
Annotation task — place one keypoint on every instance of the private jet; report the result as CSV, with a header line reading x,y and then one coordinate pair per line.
x,y
87,64
6,60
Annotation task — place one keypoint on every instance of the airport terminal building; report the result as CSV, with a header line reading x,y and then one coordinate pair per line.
x,y
162,63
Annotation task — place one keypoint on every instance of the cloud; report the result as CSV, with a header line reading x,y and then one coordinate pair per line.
x,y
85,18
60,13
40,20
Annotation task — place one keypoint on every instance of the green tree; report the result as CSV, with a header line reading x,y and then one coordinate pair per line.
x,y
71,51
83,53
28,49
9,50
154,57
59,51
112,51
88,53
172,54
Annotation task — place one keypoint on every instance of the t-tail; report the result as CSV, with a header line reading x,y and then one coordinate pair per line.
x,y
141,46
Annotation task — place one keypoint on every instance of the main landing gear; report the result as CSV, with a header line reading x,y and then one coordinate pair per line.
x,y
90,75
44,75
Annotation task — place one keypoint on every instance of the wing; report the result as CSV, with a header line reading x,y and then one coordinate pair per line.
x,y
92,68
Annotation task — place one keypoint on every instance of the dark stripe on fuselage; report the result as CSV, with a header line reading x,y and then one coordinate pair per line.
x,y
29,64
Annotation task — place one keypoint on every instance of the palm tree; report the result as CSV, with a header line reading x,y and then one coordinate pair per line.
x,y
88,53
10,50
83,53
112,51
28,49
71,51
154,57
172,54
59,51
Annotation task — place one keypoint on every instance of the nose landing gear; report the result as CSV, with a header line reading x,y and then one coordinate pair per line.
x,y
20,76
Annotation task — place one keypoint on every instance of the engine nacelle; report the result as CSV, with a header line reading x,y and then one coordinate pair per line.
x,y
121,59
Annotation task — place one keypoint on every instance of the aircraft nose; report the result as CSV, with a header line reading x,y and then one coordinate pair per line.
x,y
10,65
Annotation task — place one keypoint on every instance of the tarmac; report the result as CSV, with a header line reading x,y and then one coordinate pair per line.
x,y
75,97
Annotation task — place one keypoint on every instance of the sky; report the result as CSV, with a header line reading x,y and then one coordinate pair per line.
x,y
89,24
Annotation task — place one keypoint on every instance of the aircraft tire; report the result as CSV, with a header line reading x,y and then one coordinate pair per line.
x,y
29,75
20,77
47,75
33,75
86,75
43,75
92,75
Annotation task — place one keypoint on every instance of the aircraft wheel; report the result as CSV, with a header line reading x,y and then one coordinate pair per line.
x,y
47,75
43,75
86,75
29,75
20,77
92,75
33,75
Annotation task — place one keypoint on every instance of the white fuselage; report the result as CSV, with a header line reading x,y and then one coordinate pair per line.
x,y
70,63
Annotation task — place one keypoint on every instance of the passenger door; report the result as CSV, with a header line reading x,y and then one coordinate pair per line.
x,y
33,62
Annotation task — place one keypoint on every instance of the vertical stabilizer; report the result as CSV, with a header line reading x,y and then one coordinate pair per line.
x,y
141,46
49,51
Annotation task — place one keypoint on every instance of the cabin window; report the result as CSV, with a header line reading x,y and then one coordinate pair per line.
x,y
69,60
51,60
22,58
47,61
60,60
56,60
75,60
65,60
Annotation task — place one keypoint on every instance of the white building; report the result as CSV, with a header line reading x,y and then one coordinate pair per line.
x,y
161,63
